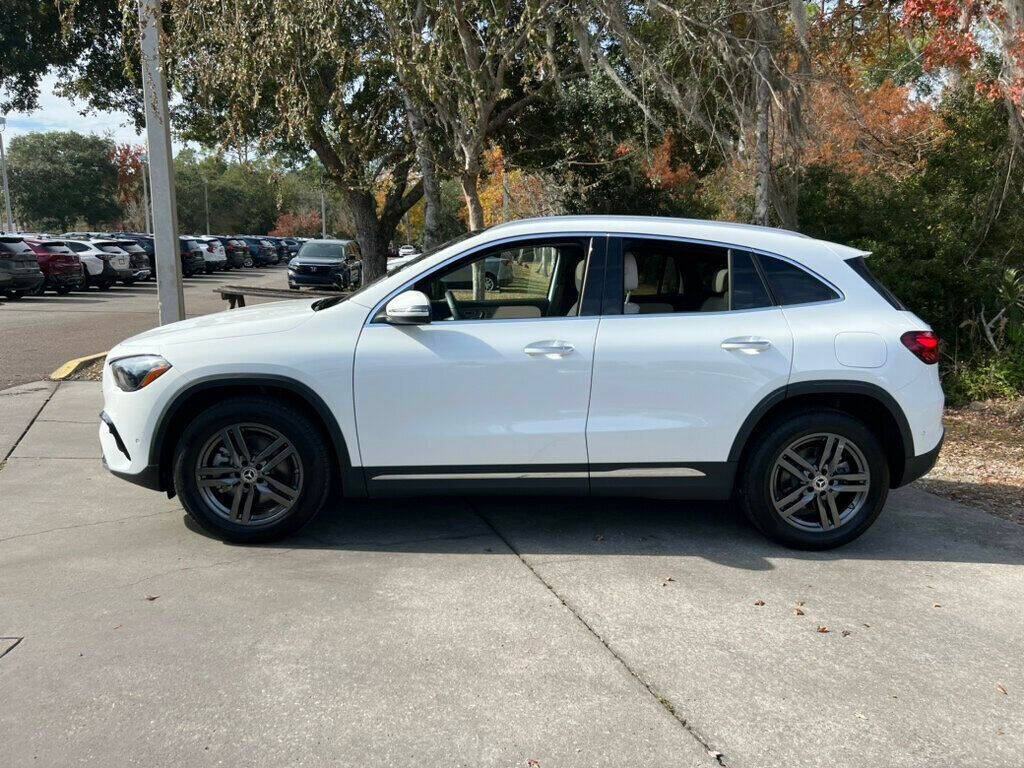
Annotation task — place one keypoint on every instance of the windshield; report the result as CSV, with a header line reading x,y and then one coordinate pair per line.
x,y
323,250
332,300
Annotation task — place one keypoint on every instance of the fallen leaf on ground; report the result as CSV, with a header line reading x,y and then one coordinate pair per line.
x,y
1001,688
824,630
759,602
798,611
151,598
936,605
669,579
533,763
846,633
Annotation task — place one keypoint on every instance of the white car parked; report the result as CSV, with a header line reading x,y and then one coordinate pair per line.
x,y
642,356
215,257
104,261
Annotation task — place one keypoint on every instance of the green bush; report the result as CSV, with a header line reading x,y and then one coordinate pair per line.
x,y
984,379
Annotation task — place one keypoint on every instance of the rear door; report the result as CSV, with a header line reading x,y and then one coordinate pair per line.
x,y
689,344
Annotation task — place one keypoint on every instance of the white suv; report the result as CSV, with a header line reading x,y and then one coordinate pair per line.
x,y
625,356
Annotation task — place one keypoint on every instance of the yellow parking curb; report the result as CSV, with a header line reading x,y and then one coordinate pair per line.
x,y
71,367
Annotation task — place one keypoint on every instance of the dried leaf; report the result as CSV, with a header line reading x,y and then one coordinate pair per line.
x,y
824,630
936,605
533,763
759,602
151,598
798,611
846,633
1001,688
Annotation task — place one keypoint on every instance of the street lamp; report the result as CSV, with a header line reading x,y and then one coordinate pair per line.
x,y
7,189
206,202
143,158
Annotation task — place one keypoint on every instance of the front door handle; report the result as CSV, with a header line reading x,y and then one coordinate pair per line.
x,y
749,344
551,348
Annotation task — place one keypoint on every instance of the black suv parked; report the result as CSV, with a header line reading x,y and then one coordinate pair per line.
x,y
192,261
262,251
19,268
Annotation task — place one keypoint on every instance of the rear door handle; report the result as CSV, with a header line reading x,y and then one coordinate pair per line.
x,y
748,344
550,348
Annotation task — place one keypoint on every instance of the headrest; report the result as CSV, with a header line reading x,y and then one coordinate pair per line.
x,y
721,281
579,274
630,278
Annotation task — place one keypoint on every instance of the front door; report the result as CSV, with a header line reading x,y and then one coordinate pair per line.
x,y
492,394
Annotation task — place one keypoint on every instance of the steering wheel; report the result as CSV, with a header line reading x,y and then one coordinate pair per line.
x,y
452,306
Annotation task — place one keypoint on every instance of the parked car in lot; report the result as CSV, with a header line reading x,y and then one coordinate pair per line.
x,y
635,356
97,265
62,269
236,252
19,268
214,255
139,259
146,243
262,251
291,245
279,246
407,250
192,260
326,264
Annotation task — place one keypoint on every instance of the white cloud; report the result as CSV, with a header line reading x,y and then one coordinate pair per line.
x,y
56,113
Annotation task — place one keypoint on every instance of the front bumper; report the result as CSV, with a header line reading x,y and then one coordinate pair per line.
x,y
328,280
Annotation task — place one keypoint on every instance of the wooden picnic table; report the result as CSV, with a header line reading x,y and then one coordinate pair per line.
x,y
235,294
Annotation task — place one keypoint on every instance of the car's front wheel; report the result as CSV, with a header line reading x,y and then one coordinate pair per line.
x,y
816,480
252,470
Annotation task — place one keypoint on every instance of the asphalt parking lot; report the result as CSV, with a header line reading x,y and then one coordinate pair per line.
x,y
484,632
39,333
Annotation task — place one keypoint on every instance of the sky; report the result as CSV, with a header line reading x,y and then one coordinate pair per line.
x,y
59,114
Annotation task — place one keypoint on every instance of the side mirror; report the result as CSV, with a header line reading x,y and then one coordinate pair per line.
x,y
408,308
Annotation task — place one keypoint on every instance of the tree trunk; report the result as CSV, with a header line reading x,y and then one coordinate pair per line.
x,y
762,128
428,171
471,191
369,231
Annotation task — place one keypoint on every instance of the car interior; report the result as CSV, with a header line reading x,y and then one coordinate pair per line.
x,y
539,279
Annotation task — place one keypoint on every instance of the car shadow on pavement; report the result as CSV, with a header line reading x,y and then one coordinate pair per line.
x,y
911,528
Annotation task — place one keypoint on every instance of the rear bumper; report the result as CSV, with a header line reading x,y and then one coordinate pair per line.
x,y
918,466
64,280
25,281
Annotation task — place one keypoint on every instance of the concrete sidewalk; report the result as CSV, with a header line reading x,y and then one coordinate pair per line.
x,y
489,631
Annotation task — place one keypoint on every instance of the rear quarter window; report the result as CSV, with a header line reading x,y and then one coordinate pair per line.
x,y
860,265
792,285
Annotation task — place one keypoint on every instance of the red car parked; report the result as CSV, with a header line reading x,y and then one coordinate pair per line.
x,y
62,269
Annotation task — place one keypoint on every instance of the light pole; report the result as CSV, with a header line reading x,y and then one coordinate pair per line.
x,y
146,223
206,203
323,215
161,167
7,189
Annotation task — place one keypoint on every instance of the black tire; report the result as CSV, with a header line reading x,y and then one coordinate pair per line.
x,y
311,451
105,285
490,282
129,281
248,263
62,290
754,483
13,295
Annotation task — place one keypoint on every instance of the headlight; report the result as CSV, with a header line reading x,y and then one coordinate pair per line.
x,y
292,264
134,373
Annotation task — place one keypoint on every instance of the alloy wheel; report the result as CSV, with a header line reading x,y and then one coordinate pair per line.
x,y
820,482
249,474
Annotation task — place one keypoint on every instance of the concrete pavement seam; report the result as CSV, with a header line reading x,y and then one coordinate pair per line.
x,y
665,703
31,422
88,525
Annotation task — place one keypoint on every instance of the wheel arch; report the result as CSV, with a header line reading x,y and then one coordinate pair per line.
x,y
863,400
208,390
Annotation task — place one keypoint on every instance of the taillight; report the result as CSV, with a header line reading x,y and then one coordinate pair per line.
x,y
924,345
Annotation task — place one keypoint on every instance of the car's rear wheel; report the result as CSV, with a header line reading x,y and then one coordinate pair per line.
x,y
252,470
817,479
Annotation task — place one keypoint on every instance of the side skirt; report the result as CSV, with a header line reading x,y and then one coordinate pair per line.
x,y
701,480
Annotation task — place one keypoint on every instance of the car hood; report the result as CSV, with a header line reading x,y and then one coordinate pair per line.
x,y
274,317
336,261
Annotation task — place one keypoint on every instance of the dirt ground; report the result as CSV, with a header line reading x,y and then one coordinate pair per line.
x,y
982,461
